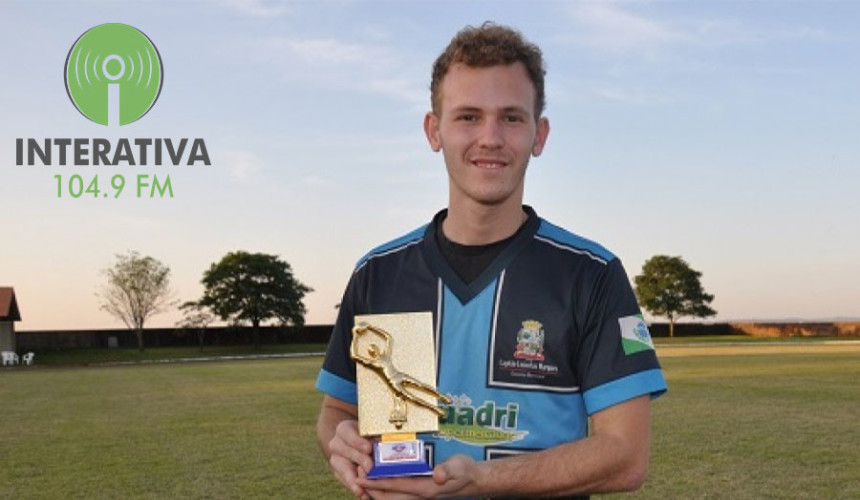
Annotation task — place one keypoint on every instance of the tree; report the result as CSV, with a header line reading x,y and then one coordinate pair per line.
x,y
137,289
669,287
254,287
196,318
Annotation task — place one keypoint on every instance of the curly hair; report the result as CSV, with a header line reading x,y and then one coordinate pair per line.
x,y
490,45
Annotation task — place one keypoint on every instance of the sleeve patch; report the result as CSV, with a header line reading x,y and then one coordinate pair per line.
x,y
634,334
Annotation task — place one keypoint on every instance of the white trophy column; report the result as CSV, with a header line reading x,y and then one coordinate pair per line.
x,y
113,88
113,104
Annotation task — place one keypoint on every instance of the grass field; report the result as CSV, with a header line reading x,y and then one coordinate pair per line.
x,y
760,421
766,421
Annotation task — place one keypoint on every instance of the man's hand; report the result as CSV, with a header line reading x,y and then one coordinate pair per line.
x,y
349,452
613,458
456,477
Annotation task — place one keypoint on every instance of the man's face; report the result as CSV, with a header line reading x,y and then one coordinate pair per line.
x,y
486,129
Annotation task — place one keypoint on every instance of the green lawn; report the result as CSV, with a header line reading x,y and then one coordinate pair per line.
x,y
751,426
758,426
198,430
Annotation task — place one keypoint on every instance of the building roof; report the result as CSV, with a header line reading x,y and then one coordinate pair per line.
x,y
8,305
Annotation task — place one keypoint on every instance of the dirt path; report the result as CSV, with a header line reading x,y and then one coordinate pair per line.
x,y
824,347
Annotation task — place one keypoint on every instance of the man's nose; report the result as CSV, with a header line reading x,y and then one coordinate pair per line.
x,y
492,135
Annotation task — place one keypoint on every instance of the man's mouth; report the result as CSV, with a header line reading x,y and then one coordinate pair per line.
x,y
488,163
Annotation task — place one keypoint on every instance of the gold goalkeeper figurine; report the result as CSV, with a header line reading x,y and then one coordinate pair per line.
x,y
378,359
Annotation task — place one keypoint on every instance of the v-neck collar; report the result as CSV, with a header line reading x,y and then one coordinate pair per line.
x,y
466,292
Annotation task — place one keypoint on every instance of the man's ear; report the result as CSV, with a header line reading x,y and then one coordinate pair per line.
x,y
431,130
540,136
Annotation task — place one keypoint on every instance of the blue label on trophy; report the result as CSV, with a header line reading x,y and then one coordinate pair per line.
x,y
399,458
399,452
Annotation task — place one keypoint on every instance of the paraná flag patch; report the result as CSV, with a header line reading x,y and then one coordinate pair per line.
x,y
634,334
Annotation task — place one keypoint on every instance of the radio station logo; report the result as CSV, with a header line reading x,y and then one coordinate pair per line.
x,y
113,74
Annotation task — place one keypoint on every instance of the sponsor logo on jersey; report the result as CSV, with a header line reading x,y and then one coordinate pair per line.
x,y
634,334
488,424
530,341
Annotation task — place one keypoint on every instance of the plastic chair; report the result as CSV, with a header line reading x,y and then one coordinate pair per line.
x,y
27,359
9,358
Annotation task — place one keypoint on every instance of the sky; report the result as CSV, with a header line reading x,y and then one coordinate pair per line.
x,y
724,132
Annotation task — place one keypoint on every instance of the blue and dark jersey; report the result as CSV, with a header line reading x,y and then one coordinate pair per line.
x,y
547,335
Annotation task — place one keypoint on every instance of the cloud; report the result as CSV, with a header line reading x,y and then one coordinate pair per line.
x,y
614,27
257,8
630,92
608,26
340,64
316,181
133,222
404,89
634,97
242,165
332,52
721,33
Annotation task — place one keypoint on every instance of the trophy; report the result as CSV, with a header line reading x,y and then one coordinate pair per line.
x,y
393,404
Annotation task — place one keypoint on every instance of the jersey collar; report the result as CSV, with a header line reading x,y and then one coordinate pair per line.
x,y
466,292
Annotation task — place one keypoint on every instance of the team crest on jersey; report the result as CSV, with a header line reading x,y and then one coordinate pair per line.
x,y
528,363
530,340
490,423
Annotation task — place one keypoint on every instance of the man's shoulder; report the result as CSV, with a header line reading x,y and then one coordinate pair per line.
x,y
563,239
393,246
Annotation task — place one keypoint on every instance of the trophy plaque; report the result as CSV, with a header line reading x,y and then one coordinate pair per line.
x,y
397,398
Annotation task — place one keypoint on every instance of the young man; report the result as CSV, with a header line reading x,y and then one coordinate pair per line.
x,y
537,329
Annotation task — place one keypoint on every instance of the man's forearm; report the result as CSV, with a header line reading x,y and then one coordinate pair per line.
x,y
614,458
593,465
332,413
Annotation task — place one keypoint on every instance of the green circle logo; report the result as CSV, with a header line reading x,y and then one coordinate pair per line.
x,y
113,74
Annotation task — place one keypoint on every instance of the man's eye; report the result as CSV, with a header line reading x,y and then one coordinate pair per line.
x,y
513,118
467,118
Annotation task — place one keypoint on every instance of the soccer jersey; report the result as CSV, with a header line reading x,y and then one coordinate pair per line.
x,y
547,335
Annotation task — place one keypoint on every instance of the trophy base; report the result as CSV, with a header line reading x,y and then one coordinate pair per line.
x,y
399,459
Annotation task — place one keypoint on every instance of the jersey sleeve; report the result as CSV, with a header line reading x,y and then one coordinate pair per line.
x,y
615,356
337,376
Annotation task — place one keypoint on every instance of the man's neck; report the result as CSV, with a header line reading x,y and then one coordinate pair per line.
x,y
475,224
